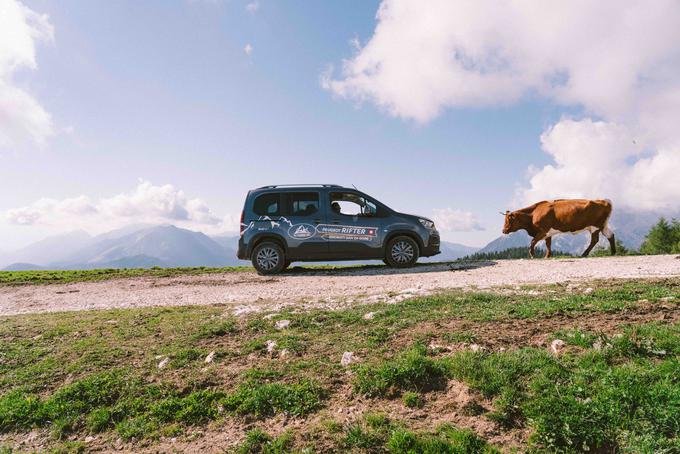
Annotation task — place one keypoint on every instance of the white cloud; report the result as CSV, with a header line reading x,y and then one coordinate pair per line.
x,y
424,57
450,220
23,121
248,49
618,60
145,204
252,7
596,159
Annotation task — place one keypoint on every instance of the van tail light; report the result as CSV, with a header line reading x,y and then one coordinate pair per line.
x,y
243,218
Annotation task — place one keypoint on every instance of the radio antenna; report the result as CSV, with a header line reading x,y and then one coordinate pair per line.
x,y
354,187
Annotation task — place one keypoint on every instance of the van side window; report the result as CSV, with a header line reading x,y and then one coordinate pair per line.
x,y
303,203
351,204
268,204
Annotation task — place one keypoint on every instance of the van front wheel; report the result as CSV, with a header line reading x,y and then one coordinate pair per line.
x,y
268,258
402,252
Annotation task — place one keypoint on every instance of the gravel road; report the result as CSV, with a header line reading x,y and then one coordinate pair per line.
x,y
244,292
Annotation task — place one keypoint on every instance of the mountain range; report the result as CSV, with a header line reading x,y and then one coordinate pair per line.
x,y
145,246
138,246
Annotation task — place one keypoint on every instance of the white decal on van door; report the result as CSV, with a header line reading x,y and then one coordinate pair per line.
x,y
347,232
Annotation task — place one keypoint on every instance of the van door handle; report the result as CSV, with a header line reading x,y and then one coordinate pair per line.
x,y
317,221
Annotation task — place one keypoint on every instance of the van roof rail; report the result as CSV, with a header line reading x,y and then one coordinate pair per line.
x,y
271,186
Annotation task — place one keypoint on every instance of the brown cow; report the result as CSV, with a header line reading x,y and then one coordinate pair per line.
x,y
545,219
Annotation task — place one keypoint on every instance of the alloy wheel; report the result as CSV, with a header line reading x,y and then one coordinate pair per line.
x,y
267,258
402,252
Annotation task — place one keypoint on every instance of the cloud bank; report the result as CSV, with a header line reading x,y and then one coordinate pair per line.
x,y
23,121
450,220
145,204
618,60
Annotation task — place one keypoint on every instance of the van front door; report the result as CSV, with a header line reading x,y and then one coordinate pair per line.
x,y
353,230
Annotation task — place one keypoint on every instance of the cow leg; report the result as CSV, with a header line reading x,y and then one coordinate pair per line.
x,y
594,238
539,236
548,244
610,236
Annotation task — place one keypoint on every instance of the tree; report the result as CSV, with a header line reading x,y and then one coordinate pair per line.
x,y
663,238
513,253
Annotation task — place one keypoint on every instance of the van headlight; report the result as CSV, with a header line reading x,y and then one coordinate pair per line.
x,y
429,225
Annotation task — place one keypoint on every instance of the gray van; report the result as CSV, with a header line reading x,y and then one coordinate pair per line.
x,y
288,223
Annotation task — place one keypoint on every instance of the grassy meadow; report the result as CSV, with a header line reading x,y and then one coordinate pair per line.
x,y
562,368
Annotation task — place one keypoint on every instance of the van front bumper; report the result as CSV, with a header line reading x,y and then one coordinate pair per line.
x,y
432,247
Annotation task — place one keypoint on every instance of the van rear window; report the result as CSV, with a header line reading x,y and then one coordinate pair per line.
x,y
268,205
304,203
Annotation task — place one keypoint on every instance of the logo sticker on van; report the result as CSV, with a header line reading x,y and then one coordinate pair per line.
x,y
301,231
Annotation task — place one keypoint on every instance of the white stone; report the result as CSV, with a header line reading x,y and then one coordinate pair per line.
x,y
163,363
475,348
282,324
347,359
556,346
284,353
271,345
369,315
210,357
588,291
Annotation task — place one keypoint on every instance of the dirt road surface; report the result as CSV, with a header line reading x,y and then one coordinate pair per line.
x,y
244,292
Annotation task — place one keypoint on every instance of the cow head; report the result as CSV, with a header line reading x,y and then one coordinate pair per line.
x,y
513,222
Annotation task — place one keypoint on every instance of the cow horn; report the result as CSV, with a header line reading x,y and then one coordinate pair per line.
x,y
502,214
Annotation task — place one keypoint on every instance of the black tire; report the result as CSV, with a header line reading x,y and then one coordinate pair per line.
x,y
402,252
268,258
286,265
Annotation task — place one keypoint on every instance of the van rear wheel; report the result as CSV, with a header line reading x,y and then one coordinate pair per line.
x,y
402,252
268,258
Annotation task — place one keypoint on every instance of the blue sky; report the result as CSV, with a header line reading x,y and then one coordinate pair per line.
x,y
164,91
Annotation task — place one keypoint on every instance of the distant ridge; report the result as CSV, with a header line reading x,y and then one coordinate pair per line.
x,y
140,246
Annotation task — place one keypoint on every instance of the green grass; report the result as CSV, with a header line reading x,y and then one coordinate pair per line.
x,y
376,433
69,276
411,370
413,400
623,397
70,375
261,400
137,409
259,442
446,439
